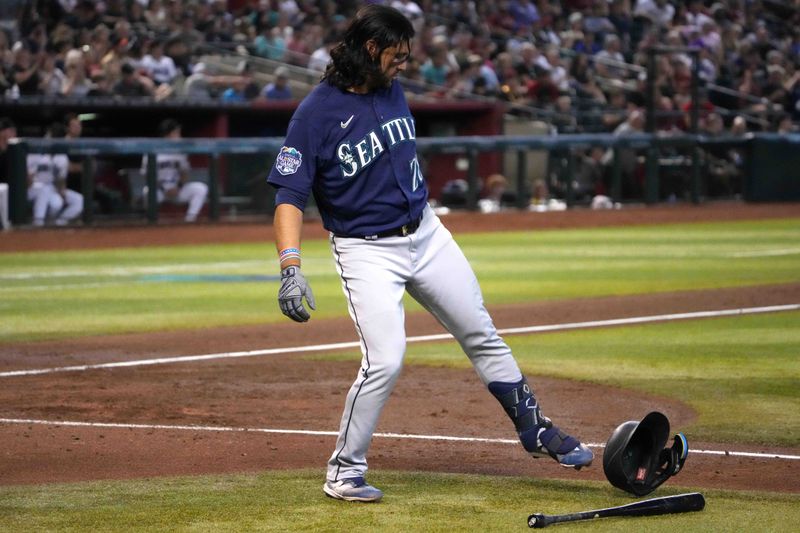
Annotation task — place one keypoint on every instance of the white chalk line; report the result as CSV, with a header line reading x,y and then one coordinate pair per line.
x,y
406,436
133,270
420,338
766,253
61,286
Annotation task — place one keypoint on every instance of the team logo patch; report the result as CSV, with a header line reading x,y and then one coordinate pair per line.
x,y
288,160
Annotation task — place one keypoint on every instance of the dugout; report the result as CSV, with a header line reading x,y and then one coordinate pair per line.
x,y
239,176
775,169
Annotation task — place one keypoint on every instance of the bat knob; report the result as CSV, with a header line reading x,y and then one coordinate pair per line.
x,y
536,521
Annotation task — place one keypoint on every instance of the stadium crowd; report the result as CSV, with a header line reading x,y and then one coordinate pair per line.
x,y
580,64
572,65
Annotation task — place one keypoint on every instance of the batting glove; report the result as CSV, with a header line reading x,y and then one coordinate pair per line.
x,y
290,297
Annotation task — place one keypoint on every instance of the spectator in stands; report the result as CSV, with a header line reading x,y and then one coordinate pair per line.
x,y
616,111
159,67
587,45
658,12
436,69
583,80
52,78
597,20
75,82
541,90
504,67
630,166
774,87
524,12
136,17
620,17
558,72
37,39
84,15
278,89
530,60
25,69
501,21
99,46
321,56
743,45
270,44
173,176
301,41
199,85
131,84
244,88
187,33
608,61
156,15
101,85
495,187
564,119
574,32
410,9
469,77
47,186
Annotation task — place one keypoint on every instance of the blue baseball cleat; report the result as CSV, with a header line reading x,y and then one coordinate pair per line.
x,y
552,442
352,490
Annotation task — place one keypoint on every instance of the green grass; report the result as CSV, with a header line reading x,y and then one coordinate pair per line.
x,y
64,294
727,369
293,501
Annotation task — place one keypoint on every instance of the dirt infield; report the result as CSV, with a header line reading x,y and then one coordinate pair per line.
x,y
293,392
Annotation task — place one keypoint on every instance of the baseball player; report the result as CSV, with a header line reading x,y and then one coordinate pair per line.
x,y
351,143
173,175
47,186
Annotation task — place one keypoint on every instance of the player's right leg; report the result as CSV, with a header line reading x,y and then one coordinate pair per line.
x,y
39,194
373,277
193,193
445,284
73,207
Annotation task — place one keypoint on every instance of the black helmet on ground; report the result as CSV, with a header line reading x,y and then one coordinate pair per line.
x,y
635,458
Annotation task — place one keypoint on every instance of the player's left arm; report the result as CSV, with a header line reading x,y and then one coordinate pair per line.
x,y
292,175
288,224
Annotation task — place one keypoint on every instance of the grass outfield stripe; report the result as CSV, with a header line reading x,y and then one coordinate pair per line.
x,y
62,286
766,253
66,272
448,438
421,338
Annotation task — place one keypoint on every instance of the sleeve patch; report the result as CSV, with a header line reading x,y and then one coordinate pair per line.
x,y
288,160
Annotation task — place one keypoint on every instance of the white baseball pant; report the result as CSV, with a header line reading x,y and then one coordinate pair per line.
x,y
430,266
193,193
48,202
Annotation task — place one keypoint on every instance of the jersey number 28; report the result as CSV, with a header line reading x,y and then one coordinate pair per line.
x,y
416,174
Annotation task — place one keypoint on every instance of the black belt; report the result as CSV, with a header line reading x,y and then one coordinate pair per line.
x,y
402,231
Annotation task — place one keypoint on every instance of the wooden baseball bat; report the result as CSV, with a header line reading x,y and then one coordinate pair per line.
x,y
681,503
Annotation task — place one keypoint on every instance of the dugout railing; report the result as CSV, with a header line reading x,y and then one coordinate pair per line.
x,y
771,167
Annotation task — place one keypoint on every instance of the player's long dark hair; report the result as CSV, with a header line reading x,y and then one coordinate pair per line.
x,y
351,64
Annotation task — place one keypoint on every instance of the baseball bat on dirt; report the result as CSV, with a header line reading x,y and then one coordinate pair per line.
x,y
681,503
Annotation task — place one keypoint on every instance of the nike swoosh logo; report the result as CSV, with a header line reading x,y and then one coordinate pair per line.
x,y
346,123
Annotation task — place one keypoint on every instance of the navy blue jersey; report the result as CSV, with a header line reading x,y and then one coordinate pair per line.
x,y
357,154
